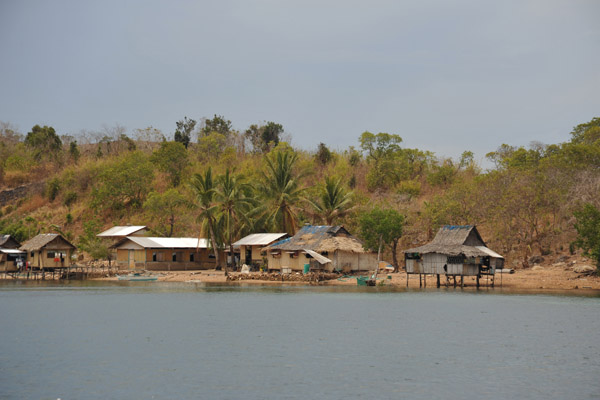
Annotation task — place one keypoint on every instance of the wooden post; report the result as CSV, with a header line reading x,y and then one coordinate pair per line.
x,y
425,280
407,279
454,278
477,281
420,282
462,281
438,280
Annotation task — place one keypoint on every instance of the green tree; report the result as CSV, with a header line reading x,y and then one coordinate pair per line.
x,y
183,133
171,158
164,208
217,124
124,183
281,190
74,151
211,146
44,141
334,201
323,155
264,137
204,188
234,197
380,227
588,232
90,242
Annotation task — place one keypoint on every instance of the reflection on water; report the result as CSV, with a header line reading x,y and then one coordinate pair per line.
x,y
176,340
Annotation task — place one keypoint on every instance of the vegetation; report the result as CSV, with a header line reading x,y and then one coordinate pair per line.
x,y
221,183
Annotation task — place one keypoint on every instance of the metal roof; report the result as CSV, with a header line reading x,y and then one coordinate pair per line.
x,y
12,251
168,242
121,230
321,259
259,239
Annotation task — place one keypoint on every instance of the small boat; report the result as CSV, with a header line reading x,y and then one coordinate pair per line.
x,y
137,277
365,281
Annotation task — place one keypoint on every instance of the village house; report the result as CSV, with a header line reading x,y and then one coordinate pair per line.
x,y
250,247
165,253
10,254
117,233
456,251
327,248
48,251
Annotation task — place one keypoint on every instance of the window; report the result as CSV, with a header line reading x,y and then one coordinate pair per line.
x,y
191,257
456,259
50,254
174,257
154,256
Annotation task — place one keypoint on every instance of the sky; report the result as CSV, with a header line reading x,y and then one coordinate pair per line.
x,y
447,76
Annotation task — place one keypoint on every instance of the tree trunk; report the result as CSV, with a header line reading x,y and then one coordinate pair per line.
x,y
214,245
394,256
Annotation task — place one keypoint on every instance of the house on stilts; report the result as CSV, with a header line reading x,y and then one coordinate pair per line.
x,y
455,252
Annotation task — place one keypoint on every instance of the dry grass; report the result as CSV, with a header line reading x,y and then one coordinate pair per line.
x,y
33,203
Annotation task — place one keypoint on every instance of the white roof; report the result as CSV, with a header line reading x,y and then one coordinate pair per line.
x,y
259,239
121,230
320,258
491,253
12,251
169,242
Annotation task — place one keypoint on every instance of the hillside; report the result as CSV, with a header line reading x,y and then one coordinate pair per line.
x,y
523,207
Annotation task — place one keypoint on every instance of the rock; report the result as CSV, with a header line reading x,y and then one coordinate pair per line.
x,y
583,269
537,267
536,260
559,264
562,259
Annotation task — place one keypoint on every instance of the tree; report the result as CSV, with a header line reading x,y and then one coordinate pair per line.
x,y
217,124
74,151
125,183
588,232
323,155
44,141
334,202
281,190
233,196
164,209
380,227
204,189
90,242
264,137
171,158
183,133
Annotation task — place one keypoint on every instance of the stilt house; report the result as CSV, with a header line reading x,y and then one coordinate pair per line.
x,y
327,248
10,253
48,251
455,251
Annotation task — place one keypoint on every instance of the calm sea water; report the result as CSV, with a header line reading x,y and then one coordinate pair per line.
x,y
182,341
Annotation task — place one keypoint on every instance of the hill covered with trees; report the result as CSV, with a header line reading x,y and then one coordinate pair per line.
x,y
221,183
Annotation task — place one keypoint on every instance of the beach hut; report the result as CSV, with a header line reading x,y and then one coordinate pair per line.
x,y
250,246
456,251
10,254
324,247
165,253
48,251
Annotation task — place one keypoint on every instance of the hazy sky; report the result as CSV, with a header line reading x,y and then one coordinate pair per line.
x,y
447,76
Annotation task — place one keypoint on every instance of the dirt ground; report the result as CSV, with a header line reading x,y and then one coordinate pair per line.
x,y
558,276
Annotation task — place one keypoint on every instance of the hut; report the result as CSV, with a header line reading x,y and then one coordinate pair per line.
x,y
327,248
10,254
250,246
48,251
456,251
165,254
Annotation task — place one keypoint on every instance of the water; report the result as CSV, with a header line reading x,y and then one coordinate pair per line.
x,y
181,341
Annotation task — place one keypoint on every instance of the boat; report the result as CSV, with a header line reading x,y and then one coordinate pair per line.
x,y
365,281
137,277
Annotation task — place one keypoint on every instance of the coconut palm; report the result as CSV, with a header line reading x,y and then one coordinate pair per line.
x,y
204,189
234,201
334,201
281,190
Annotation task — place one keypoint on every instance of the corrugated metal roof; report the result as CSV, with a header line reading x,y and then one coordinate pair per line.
x,y
259,239
121,230
321,259
12,251
490,252
169,243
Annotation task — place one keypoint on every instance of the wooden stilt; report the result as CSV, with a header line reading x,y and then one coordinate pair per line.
x,y
454,276
425,280
462,281
477,281
407,279
438,280
420,281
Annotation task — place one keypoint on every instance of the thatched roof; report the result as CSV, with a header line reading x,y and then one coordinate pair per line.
x,y
455,240
52,241
8,242
323,238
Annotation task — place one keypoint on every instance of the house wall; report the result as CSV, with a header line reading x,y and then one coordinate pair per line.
x,y
433,263
143,259
40,258
341,261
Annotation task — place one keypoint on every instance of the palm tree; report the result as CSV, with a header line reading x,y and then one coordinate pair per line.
x,y
281,190
204,189
334,202
234,201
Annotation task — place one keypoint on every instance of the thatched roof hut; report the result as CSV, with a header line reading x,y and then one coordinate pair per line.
x,y
8,242
52,241
455,240
323,238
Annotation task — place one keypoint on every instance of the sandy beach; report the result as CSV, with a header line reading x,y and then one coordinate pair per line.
x,y
559,276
